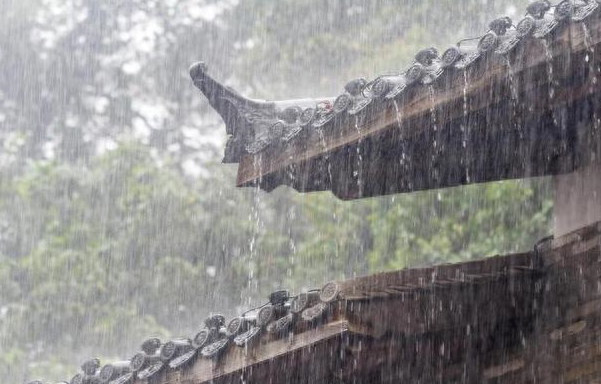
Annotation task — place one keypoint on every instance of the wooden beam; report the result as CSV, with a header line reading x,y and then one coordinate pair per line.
x,y
548,333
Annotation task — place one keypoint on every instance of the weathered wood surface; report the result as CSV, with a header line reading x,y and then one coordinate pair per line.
x,y
492,122
442,276
534,328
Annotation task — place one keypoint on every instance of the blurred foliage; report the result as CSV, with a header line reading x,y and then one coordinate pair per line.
x,y
117,221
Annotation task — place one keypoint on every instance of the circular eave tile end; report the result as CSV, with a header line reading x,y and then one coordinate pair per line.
x,y
342,103
265,316
525,27
329,292
564,10
488,42
168,351
137,362
450,56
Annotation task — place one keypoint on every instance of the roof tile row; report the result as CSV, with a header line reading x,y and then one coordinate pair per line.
x,y
254,125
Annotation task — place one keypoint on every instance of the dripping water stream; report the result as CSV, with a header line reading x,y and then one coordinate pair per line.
x,y
437,143
399,119
324,145
255,218
549,59
465,124
433,120
359,172
592,74
512,85
514,105
589,58
398,114
551,82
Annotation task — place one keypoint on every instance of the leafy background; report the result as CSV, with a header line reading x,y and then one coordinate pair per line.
x,y
117,220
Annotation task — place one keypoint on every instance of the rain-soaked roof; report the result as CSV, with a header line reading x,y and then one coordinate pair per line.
x,y
519,101
485,321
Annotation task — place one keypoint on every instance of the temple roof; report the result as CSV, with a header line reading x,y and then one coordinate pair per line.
x,y
519,101
519,318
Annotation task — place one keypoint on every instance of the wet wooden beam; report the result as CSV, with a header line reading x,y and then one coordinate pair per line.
x,y
416,280
503,118
558,341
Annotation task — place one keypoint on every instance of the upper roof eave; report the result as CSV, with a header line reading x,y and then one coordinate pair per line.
x,y
437,124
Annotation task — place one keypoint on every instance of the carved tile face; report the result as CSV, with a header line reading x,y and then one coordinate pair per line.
x,y
234,327
488,42
426,56
215,321
508,43
360,104
380,87
315,313
290,115
469,58
415,73
307,116
322,118
201,338
329,292
291,131
90,366
544,27
247,337
283,324
183,359
581,13
266,315
215,348
342,103
299,303
451,56
355,87
397,90
538,8
500,26
168,350
432,73
526,26
563,10
151,345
